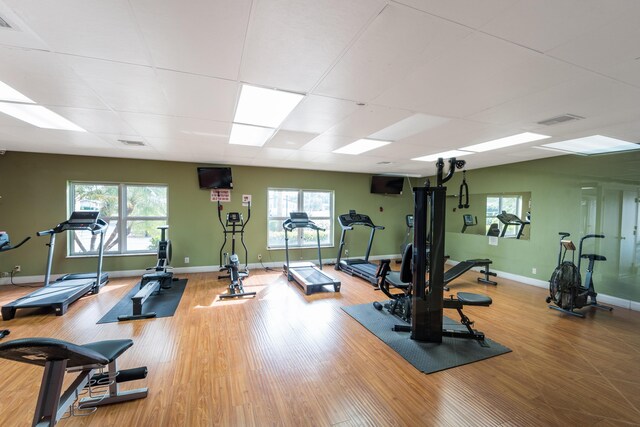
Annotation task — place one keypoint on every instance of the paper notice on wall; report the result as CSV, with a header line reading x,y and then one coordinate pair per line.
x,y
218,195
493,240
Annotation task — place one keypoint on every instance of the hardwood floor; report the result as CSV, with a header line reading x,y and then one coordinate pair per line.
x,y
284,358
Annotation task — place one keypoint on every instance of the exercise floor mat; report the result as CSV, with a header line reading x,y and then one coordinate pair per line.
x,y
163,303
426,357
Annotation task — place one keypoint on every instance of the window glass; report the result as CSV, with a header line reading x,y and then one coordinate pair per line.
x,y
131,210
318,205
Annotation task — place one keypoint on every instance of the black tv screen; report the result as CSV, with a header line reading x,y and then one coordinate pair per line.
x,y
216,177
382,184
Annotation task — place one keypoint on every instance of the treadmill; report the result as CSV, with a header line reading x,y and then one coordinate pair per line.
x,y
306,274
70,287
358,267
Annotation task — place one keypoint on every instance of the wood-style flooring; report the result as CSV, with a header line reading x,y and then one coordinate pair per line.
x,y
287,359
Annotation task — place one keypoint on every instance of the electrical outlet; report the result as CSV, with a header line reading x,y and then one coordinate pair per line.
x,y
186,260
17,269
534,270
346,252
259,257
4,274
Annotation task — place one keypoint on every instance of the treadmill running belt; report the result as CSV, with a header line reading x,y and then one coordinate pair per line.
x,y
312,275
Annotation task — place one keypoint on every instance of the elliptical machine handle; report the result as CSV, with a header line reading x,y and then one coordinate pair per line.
x,y
564,234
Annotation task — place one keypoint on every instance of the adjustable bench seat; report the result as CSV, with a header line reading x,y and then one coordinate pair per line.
x,y
59,357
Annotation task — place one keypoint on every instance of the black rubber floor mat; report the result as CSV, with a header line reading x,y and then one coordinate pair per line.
x,y
164,303
426,357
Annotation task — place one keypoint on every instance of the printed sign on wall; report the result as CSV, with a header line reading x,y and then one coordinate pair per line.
x,y
220,195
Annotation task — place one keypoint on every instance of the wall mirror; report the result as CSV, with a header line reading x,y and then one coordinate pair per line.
x,y
505,215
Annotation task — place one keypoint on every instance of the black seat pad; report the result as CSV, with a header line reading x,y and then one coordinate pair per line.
x,y
467,298
110,349
37,351
594,257
393,277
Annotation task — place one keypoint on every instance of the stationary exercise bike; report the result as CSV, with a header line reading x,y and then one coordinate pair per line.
x,y
565,286
233,225
152,283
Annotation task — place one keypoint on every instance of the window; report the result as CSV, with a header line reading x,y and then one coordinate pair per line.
x,y
134,211
318,204
509,204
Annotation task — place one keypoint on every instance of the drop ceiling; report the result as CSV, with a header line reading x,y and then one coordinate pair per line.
x,y
169,73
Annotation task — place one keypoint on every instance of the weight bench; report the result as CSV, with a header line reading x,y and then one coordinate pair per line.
x,y
59,357
462,267
400,304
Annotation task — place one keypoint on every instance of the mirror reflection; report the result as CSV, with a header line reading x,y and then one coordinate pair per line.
x,y
505,215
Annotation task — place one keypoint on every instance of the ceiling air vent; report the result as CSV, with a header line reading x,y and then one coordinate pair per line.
x,y
560,119
4,24
132,143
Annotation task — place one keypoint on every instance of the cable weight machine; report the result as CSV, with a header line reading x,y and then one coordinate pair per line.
x,y
428,302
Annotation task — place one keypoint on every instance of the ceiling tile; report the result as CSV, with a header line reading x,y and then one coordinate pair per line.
x,y
201,97
316,114
383,54
103,29
160,126
204,38
291,44
545,24
123,87
289,139
45,78
467,12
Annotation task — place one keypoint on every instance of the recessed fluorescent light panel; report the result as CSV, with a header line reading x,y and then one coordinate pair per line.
x,y
250,135
7,93
361,146
265,107
508,141
444,155
595,144
38,116
412,125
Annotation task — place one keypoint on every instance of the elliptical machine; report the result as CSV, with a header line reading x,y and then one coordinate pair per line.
x,y
236,222
5,245
565,286
152,283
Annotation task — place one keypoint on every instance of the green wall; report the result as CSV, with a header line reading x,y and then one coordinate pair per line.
x,y
568,193
561,188
34,193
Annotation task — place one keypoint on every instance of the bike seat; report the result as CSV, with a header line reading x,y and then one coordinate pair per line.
x,y
594,257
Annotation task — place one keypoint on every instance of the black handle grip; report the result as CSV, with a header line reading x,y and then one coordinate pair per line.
x,y
597,236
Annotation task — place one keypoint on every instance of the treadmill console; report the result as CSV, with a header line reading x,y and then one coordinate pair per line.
x,y
83,218
353,218
299,217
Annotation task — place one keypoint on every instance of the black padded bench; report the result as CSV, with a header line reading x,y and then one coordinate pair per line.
x,y
59,357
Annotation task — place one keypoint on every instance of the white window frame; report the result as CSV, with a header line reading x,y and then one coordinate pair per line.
x,y
296,240
122,219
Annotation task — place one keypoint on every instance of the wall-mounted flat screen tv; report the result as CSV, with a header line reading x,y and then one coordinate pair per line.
x,y
215,177
383,184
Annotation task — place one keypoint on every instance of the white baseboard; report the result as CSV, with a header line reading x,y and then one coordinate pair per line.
x,y
607,299
603,298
